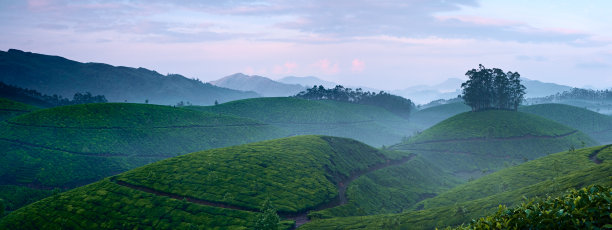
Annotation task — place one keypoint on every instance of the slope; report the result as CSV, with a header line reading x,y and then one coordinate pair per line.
x,y
537,178
70,146
369,124
56,75
428,117
596,125
474,143
261,85
10,108
218,188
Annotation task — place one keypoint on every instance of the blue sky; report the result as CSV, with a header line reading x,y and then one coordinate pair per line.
x,y
385,44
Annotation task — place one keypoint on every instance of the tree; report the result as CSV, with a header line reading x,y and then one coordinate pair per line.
x,y
492,89
267,219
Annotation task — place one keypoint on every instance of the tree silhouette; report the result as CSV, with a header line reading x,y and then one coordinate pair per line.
x,y
492,89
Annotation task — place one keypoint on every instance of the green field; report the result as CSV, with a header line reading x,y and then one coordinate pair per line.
x,y
596,125
9,108
69,146
428,117
370,124
296,174
472,144
482,197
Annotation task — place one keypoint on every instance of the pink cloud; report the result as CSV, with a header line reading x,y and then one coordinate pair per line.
x,y
291,66
327,67
357,65
287,68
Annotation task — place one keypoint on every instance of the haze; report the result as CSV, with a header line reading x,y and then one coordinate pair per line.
x,y
379,44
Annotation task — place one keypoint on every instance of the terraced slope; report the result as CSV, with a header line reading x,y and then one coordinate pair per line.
x,y
481,197
428,117
474,143
218,188
9,108
370,124
596,125
70,146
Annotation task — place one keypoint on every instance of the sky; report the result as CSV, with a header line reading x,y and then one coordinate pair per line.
x,y
383,44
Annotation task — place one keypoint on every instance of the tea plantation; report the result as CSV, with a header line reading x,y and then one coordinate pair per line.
x,y
217,189
595,168
370,124
475,143
9,108
69,146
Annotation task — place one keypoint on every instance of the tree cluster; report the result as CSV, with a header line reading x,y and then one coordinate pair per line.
x,y
578,94
34,97
395,104
492,89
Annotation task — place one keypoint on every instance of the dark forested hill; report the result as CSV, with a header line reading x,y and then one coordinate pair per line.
x,y
57,75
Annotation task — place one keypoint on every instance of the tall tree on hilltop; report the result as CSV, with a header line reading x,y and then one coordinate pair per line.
x,y
492,89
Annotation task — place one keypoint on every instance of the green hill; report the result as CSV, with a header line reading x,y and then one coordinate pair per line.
x,y
369,124
474,143
10,108
430,116
549,175
596,125
217,189
69,146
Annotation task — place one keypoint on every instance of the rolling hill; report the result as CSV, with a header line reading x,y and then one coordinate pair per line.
x,y
549,175
428,117
10,108
596,125
370,124
219,188
261,85
474,143
56,75
69,146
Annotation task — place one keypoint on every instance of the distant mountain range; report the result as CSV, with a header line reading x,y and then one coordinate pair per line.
x,y
57,75
307,82
451,87
262,85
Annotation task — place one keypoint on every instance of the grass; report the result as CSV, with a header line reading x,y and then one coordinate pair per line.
x,y
472,144
596,125
428,117
74,145
295,173
370,124
9,108
463,209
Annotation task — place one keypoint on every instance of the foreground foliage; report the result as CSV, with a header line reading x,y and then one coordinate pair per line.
x,y
587,208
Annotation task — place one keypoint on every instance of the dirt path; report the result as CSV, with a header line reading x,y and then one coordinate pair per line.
x,y
593,155
300,218
524,137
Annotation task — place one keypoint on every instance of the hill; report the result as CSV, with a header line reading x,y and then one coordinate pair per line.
x,y
57,75
307,82
261,85
538,178
430,116
369,124
69,146
596,125
474,143
219,188
9,108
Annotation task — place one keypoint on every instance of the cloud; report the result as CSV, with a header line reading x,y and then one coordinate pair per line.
x,y
592,65
357,65
326,67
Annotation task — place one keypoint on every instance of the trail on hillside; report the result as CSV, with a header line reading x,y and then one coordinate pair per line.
x,y
593,155
457,152
16,110
301,217
524,137
86,154
145,127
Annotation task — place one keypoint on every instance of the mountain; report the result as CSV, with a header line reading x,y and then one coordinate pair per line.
x,y
261,85
536,88
56,75
422,94
69,146
307,82
471,144
214,189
